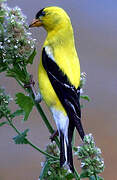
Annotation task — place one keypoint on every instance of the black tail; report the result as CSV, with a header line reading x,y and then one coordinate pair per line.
x,y
74,115
70,157
69,147
66,149
74,122
66,152
78,125
62,149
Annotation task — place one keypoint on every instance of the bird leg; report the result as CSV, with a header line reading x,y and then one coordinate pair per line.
x,y
38,97
52,137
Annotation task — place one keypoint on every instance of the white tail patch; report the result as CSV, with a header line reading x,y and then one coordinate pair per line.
x,y
65,146
62,122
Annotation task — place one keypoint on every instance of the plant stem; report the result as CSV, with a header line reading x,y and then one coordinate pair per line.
x,y
18,81
29,142
2,32
77,177
95,176
12,125
38,149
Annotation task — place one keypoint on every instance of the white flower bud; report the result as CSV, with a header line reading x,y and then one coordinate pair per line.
x,y
15,47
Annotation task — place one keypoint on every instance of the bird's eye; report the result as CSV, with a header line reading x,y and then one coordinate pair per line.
x,y
40,13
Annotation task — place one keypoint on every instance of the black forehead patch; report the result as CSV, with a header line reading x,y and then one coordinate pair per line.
x,y
40,13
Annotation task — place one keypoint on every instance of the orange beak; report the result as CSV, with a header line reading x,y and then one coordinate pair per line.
x,y
35,23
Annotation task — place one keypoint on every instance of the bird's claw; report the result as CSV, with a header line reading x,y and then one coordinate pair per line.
x,y
30,85
52,137
31,82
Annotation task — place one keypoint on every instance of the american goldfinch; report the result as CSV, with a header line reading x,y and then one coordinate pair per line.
x,y
59,77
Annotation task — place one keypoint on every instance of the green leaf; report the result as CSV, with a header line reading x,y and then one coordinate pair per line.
x,y
1,26
2,69
85,97
18,73
25,103
75,148
31,57
3,123
84,174
21,139
69,176
18,112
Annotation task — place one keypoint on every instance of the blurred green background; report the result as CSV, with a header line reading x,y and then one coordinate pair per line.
x,y
95,28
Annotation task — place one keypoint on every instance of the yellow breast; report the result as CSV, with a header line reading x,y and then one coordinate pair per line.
x,y
47,90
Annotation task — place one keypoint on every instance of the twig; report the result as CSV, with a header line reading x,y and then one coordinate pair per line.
x,y
77,177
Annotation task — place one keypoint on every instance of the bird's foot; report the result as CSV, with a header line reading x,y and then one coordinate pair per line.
x,y
30,85
52,137
31,82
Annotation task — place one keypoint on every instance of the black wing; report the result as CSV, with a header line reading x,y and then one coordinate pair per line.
x,y
67,94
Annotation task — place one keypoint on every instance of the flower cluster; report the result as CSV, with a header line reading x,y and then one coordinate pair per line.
x,y
90,156
52,149
16,44
51,168
4,101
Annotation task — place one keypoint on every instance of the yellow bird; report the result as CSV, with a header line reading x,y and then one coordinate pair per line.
x,y
59,77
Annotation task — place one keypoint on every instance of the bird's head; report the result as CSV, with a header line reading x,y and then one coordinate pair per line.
x,y
51,18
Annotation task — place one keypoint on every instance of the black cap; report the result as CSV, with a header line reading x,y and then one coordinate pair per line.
x,y
40,13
